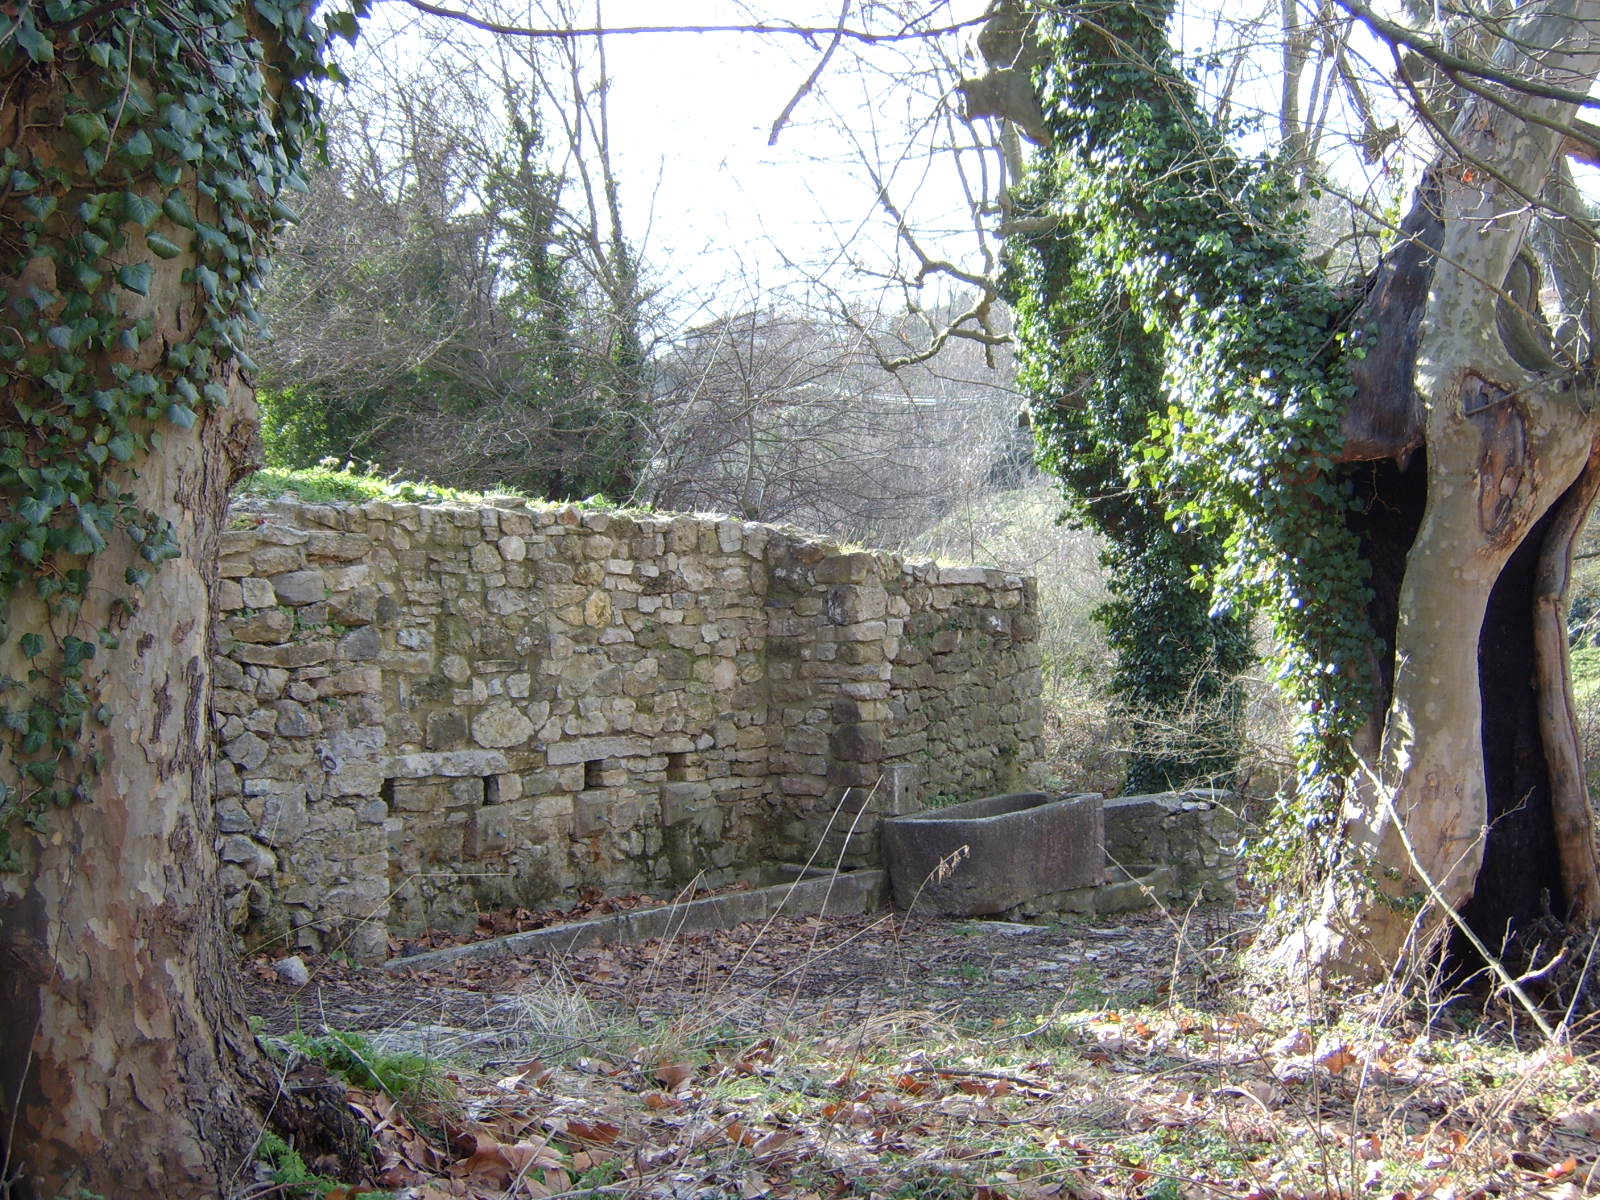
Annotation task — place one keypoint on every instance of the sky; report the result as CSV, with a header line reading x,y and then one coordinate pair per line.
x,y
717,211
722,217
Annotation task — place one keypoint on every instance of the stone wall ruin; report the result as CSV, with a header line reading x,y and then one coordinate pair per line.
x,y
424,711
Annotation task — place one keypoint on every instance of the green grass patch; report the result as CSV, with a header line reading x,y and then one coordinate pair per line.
x,y
327,484
404,1075
291,1175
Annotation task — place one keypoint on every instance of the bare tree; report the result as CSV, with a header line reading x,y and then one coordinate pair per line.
x,y
459,301
781,415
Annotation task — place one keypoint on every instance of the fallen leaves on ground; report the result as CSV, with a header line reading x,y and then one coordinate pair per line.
x,y
819,1061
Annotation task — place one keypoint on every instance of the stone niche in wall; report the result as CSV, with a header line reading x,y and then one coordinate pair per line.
x,y
427,711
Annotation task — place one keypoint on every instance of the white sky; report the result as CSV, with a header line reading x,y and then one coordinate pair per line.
x,y
713,207
716,211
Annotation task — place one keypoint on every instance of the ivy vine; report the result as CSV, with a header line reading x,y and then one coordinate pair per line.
x,y
1153,220
1176,663
145,132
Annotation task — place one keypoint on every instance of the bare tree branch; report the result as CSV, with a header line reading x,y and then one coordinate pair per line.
x,y
864,36
811,80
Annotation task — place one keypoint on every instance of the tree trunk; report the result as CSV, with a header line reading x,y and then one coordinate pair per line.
x,y
1472,796
120,1052
126,1065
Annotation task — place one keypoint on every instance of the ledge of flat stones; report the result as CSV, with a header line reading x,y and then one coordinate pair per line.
x,y
843,895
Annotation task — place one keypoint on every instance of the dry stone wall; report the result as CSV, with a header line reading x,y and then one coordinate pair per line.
x,y
424,711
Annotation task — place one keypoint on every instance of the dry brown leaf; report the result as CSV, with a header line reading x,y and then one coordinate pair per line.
x,y
773,1144
1562,1169
1336,1058
600,1132
674,1076
917,1085
984,1087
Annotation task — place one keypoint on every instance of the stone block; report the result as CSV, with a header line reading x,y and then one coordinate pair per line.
x,y
850,604
232,818
447,764
845,568
248,750
861,743
296,720
289,657
356,778
446,729
283,820
300,587
490,830
340,547
351,681
432,796
360,645
356,607
958,576
276,560
504,725
590,815
485,558
684,802
578,750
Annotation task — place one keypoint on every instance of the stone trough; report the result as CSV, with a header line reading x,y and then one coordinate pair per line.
x,y
995,855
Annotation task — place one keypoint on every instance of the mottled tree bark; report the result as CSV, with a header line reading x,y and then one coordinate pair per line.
x,y
126,1065
123,1027
1472,798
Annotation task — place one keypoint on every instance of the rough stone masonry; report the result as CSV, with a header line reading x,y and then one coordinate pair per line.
x,y
429,710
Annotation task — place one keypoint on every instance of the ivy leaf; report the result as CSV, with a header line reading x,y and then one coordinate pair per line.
x,y
162,247
34,44
87,127
32,645
139,208
344,23
138,147
136,277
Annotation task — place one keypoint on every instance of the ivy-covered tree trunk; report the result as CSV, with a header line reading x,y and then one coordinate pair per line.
x,y
1398,486
146,150
1470,793
1091,394
123,1025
